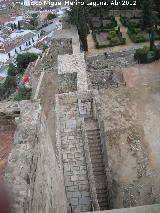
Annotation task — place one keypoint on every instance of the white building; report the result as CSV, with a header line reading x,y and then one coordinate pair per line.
x,y
16,43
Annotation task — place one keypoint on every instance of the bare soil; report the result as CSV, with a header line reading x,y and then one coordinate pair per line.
x,y
132,126
6,139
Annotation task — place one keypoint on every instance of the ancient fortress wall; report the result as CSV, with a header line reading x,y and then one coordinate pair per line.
x,y
52,167
34,176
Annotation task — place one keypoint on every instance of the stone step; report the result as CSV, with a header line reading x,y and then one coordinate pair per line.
x,y
93,130
96,141
96,157
100,179
98,165
97,161
102,190
103,205
99,168
93,133
95,145
96,152
99,173
92,137
104,208
102,200
101,195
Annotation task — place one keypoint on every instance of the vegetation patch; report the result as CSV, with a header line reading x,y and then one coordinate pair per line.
x,y
108,37
15,81
145,55
136,31
102,24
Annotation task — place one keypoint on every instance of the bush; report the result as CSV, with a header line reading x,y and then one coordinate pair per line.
x,y
151,56
24,59
124,20
51,16
140,38
23,94
144,55
157,53
136,38
115,41
141,55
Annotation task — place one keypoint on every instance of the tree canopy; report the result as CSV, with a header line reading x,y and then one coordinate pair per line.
x,y
24,59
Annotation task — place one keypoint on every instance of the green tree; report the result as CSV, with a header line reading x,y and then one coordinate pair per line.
x,y
148,20
15,26
12,70
12,27
19,26
10,84
34,15
23,94
51,16
78,17
24,59
33,24
157,6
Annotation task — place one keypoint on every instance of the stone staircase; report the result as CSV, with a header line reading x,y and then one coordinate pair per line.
x,y
96,155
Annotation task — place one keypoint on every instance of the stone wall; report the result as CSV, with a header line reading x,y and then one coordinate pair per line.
x,y
103,71
7,129
20,165
98,116
33,174
140,209
67,82
71,149
48,187
128,13
89,169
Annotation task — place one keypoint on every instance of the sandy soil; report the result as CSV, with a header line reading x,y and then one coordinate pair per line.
x,y
6,139
132,125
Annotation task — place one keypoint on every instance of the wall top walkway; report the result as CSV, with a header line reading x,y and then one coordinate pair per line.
x,y
140,209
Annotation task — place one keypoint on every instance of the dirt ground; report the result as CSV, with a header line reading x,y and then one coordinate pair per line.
x,y
132,126
6,139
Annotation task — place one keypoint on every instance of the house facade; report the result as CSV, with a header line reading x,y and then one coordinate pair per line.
x,y
9,48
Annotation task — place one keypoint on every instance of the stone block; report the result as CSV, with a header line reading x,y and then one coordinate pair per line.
x,y
83,177
84,200
70,155
76,168
78,155
75,194
74,178
68,181
74,201
83,187
85,194
86,208
72,188
71,124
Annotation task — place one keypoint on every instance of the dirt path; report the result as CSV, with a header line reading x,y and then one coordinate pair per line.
x,y
124,32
